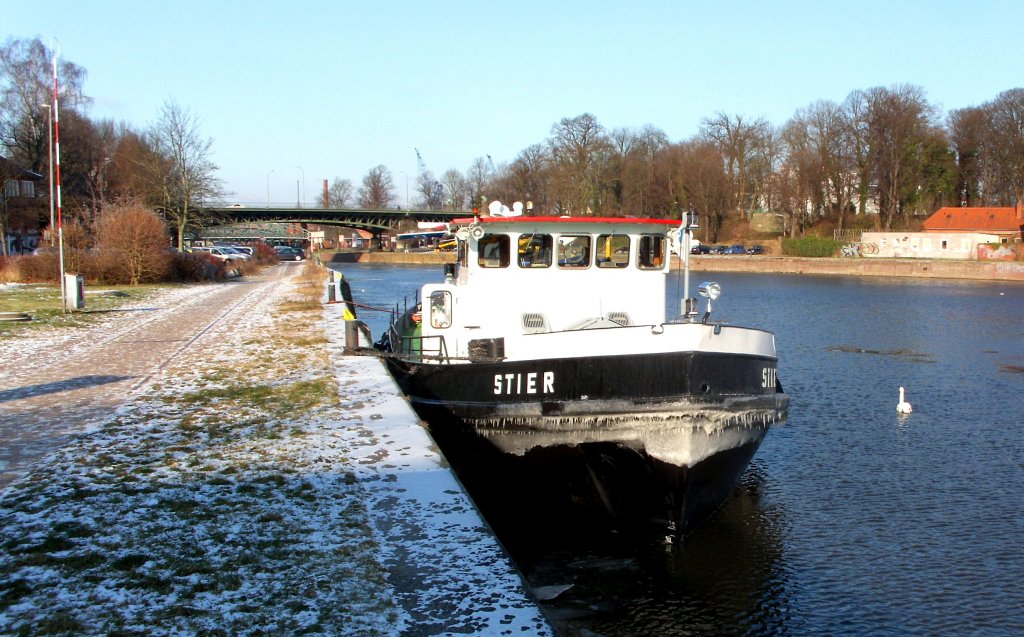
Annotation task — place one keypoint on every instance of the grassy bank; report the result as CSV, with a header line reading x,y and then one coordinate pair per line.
x,y
42,303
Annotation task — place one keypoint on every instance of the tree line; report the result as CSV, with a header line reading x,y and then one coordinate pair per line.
x,y
884,154
166,167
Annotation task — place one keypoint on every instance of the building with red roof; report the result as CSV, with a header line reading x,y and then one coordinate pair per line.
x,y
1006,223
954,233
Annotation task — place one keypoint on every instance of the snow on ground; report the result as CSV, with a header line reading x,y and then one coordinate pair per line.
x,y
220,501
264,484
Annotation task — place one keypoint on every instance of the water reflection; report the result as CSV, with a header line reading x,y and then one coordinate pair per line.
x,y
728,577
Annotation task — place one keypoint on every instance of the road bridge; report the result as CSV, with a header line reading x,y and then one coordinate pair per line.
x,y
375,221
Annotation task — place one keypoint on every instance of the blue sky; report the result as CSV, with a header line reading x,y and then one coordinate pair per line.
x,y
315,90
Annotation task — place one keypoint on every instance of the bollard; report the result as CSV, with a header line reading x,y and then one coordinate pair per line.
x,y
351,336
331,293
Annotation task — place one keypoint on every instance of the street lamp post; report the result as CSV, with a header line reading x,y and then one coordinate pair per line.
x,y
302,197
406,188
268,186
49,139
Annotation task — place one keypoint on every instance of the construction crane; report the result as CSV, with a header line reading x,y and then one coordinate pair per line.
x,y
437,197
420,163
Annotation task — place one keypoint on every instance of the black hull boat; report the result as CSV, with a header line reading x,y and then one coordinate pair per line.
x,y
548,372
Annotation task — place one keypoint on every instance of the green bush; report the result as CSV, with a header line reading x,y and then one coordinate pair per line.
x,y
811,247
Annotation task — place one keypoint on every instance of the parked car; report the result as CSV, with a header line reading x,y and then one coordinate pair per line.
x,y
288,253
700,249
755,250
235,252
735,249
219,252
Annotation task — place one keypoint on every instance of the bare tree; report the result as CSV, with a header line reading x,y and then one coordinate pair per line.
x,y
431,191
340,194
528,177
378,189
967,133
691,176
821,137
26,84
579,148
800,182
457,187
127,171
1006,144
182,170
631,177
738,140
477,178
86,151
899,119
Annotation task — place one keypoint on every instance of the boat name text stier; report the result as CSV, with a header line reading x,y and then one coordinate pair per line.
x,y
528,383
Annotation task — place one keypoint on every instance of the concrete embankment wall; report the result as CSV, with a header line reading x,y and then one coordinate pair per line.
x,y
914,268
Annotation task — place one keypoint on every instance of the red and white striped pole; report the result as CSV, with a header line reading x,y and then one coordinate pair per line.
x,y
60,225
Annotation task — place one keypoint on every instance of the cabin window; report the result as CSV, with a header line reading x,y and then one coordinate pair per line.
x,y
653,251
612,251
534,250
493,251
573,251
440,309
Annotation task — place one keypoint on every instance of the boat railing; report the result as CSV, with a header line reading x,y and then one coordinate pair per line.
x,y
430,347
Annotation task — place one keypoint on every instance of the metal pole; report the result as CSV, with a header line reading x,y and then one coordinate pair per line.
x,y
268,187
302,199
60,224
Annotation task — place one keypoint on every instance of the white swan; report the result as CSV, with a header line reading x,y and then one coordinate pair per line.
x,y
903,407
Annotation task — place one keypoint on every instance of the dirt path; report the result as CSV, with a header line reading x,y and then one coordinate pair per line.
x,y
53,388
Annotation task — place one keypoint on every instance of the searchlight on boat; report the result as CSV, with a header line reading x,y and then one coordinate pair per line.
x,y
711,291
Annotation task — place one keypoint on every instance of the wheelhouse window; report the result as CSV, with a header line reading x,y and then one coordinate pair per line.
x,y
493,251
652,252
534,250
574,251
440,309
612,251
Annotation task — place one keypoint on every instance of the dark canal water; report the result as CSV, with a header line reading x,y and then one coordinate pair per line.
x,y
852,520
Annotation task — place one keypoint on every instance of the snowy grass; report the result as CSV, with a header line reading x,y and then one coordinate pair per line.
x,y
220,501
43,303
